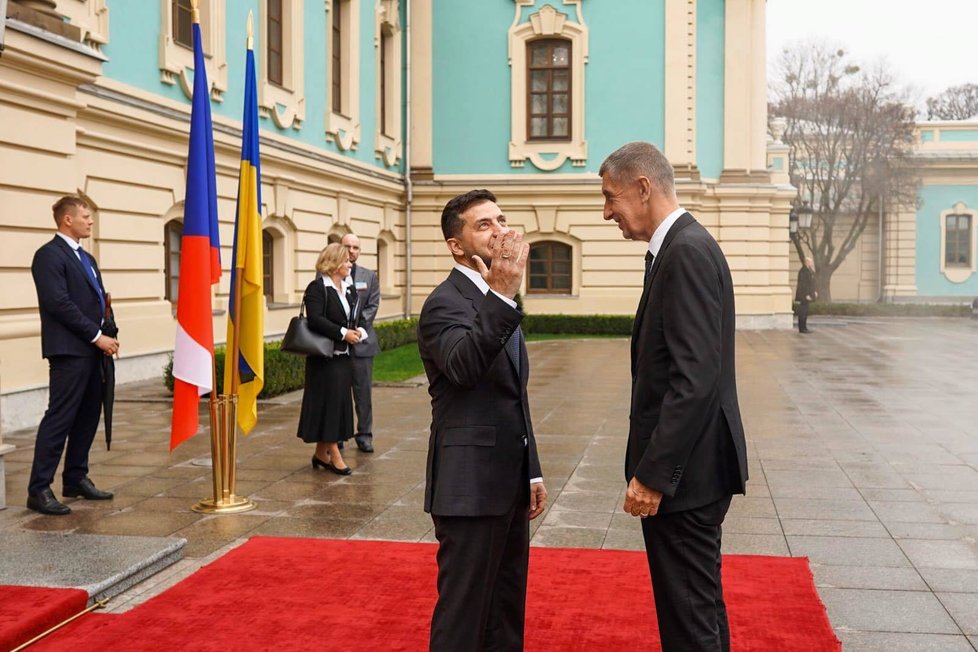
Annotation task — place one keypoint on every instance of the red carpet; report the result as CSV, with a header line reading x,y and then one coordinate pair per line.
x,y
305,594
26,611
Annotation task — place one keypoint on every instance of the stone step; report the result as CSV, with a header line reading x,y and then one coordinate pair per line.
x,y
102,565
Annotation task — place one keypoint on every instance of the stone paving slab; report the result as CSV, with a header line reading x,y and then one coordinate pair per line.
x,y
103,566
862,447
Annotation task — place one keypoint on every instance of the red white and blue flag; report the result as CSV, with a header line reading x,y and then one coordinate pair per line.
x,y
200,264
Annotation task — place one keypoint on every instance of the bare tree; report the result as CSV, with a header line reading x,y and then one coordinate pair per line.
x,y
954,103
850,138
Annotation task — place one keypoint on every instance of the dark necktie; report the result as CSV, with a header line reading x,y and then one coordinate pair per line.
x,y
649,257
514,347
87,264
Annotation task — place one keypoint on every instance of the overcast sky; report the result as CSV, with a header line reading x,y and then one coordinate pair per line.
x,y
931,45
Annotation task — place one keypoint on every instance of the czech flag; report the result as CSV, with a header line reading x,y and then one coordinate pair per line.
x,y
200,264
246,267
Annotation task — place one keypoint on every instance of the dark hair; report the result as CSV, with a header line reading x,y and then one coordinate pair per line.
x,y
451,220
639,159
65,205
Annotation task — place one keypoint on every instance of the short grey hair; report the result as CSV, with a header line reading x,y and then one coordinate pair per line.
x,y
640,159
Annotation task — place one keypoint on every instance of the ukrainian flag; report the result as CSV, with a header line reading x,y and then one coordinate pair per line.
x,y
246,269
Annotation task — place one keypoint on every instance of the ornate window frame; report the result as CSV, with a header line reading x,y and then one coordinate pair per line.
x,y
285,104
92,17
344,128
283,233
386,260
955,273
547,23
177,62
387,141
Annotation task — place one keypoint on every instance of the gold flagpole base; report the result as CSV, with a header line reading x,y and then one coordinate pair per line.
x,y
235,505
223,454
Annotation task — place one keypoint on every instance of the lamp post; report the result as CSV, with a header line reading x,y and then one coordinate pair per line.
x,y
799,219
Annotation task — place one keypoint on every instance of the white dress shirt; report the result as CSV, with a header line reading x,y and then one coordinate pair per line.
x,y
659,235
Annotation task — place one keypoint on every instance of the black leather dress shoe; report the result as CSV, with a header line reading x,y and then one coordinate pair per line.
x,y
86,489
365,445
46,503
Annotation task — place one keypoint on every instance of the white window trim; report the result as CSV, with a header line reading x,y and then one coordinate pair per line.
x,y
177,62
959,274
385,262
344,128
388,145
92,17
285,104
548,22
283,234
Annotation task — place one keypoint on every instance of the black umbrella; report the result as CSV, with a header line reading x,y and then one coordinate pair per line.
x,y
110,329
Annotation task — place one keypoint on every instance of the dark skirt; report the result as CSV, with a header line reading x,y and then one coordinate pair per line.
x,y
327,400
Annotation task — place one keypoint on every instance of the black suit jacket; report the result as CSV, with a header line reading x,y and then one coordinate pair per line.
x,y
67,298
326,314
477,459
686,438
806,285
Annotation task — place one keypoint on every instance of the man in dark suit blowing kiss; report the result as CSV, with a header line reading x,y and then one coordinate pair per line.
x,y
71,300
483,480
686,453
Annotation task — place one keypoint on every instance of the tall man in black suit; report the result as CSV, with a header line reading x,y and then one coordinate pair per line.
x,y
805,292
483,481
71,300
368,297
686,453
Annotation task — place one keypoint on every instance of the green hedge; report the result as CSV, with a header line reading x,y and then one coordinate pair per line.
x,y
284,372
578,324
888,309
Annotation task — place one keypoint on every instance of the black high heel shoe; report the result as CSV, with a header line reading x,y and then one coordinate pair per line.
x,y
318,462
344,471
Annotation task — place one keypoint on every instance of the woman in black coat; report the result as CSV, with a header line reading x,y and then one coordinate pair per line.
x,y
326,417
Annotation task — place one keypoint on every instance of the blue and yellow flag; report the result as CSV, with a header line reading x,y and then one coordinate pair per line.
x,y
247,266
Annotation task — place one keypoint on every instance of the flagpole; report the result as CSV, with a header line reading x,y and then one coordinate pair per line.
x,y
238,271
223,413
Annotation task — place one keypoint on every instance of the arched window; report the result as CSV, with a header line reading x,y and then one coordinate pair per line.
x,y
172,233
267,268
550,268
548,88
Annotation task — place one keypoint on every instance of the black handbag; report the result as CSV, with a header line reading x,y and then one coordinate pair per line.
x,y
301,340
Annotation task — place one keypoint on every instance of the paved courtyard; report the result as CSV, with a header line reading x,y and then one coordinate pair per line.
x,y
863,444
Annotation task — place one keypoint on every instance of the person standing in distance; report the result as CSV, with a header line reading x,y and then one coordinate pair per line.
x,y
483,479
368,293
686,453
805,292
71,302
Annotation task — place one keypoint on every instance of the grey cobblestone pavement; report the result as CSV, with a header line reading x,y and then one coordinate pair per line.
x,y
863,443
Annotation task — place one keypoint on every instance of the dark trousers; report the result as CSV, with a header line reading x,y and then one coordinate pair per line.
x,y
482,567
74,409
684,559
363,378
803,316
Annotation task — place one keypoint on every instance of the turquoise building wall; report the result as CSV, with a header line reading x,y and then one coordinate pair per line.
x,y
133,59
471,81
710,27
934,200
